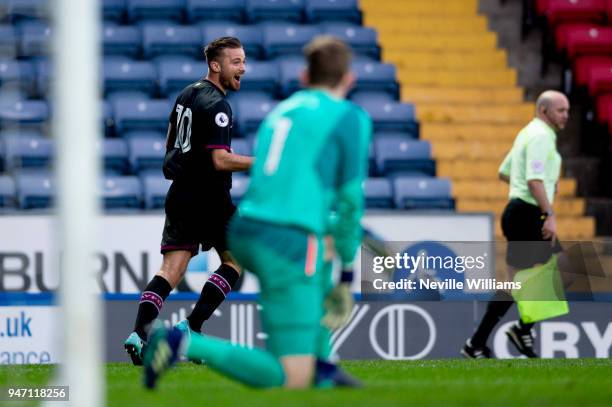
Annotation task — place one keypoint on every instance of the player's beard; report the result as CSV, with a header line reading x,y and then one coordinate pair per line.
x,y
229,82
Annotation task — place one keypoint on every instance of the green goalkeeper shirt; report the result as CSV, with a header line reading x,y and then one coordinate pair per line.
x,y
311,160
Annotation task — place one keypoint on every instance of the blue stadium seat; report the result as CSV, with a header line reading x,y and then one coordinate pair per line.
x,y
395,155
200,10
17,75
372,76
28,9
392,116
107,118
131,115
121,192
371,160
147,153
113,10
155,10
151,134
240,184
30,114
290,71
35,191
281,10
115,155
378,193
249,35
423,193
8,195
123,75
242,146
8,41
35,38
363,40
121,40
247,96
44,70
174,75
27,151
286,39
332,10
168,38
127,95
155,188
370,97
250,114
260,76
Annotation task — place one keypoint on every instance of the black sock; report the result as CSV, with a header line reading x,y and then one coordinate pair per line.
x,y
151,302
219,284
497,308
525,327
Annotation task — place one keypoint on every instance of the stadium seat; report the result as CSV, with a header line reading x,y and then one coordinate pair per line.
x,y
8,41
332,10
133,115
423,193
8,196
290,71
155,188
146,153
250,114
378,193
35,38
240,184
280,10
396,155
121,40
28,9
127,95
286,39
35,191
167,38
107,119
174,75
250,36
27,151
603,108
242,146
260,76
155,10
370,97
30,114
600,80
558,11
121,192
372,76
200,10
563,29
583,65
44,70
125,75
392,116
113,10
150,134
592,41
115,155
17,75
247,96
363,40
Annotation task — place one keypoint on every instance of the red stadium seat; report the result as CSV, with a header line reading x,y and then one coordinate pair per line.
x,y
591,41
560,11
583,66
563,29
603,108
600,81
541,7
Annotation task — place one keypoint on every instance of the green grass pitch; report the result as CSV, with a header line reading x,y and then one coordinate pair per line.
x,y
519,382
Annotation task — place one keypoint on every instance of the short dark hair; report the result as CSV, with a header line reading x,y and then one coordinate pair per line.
x,y
215,47
328,59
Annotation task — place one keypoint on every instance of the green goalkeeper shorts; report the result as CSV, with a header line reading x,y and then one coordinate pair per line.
x,y
293,282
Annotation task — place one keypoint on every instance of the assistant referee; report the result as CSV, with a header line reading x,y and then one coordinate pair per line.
x,y
532,169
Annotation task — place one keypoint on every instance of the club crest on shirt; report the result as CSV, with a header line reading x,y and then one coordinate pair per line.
x,y
221,119
537,166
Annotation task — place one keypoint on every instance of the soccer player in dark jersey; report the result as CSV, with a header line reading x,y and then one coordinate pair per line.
x,y
200,162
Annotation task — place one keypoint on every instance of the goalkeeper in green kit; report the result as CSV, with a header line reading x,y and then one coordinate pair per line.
x,y
303,206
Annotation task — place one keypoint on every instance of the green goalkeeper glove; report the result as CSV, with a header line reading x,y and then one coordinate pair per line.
x,y
339,304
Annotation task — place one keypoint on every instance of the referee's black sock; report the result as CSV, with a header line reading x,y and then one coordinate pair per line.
x,y
497,308
219,284
151,302
525,327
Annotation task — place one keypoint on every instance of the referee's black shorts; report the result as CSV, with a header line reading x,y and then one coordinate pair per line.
x,y
522,226
194,220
